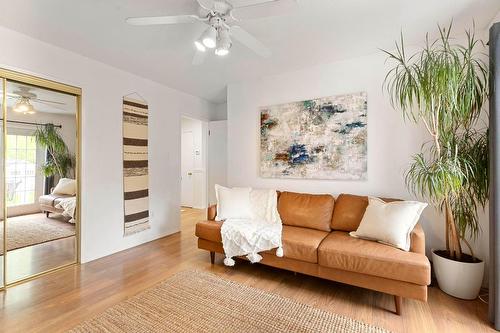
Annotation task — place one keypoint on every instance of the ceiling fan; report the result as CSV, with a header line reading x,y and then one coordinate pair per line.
x,y
25,98
221,17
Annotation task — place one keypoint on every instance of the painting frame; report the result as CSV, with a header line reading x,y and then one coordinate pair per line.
x,y
324,138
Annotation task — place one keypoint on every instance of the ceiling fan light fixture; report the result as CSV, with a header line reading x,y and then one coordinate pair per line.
x,y
30,111
199,46
223,43
23,105
209,37
221,52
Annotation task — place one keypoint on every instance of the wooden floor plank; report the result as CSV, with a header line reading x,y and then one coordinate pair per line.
x,y
61,300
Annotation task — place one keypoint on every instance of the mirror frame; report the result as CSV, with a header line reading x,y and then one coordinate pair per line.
x,y
6,76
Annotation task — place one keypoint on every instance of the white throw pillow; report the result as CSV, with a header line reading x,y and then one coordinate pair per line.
x,y
264,206
65,186
232,203
389,223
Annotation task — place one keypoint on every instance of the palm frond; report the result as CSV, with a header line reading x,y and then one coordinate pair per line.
x,y
61,161
445,86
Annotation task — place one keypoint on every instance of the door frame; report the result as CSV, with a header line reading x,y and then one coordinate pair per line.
x,y
189,204
204,149
7,75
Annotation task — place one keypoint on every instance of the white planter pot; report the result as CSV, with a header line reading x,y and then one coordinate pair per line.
x,y
458,279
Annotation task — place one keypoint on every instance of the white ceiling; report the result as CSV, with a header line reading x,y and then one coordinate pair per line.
x,y
319,31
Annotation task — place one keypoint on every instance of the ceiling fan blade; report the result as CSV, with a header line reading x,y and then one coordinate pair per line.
x,y
249,41
245,3
16,96
50,105
199,58
263,9
206,4
156,20
47,101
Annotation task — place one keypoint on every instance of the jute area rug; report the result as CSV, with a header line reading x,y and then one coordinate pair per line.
x,y
32,229
193,301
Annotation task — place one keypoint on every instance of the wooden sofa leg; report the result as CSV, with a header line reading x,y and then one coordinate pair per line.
x,y
212,257
398,301
47,213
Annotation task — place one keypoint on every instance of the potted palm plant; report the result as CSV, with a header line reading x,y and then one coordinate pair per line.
x,y
444,86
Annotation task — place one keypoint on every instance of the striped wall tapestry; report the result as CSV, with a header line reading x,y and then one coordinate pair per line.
x,y
135,166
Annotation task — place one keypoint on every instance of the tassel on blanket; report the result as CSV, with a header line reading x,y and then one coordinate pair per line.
x,y
228,261
254,257
279,252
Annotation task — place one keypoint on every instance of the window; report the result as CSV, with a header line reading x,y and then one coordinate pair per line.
x,y
20,170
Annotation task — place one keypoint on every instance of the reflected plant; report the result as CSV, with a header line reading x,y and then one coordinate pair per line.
x,y
60,162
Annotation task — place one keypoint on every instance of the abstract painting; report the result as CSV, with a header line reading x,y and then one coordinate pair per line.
x,y
135,166
323,138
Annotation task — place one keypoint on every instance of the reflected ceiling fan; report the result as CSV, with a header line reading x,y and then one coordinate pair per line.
x,y
24,98
222,16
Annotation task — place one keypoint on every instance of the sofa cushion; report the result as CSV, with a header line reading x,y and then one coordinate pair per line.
x,y
341,251
47,200
348,212
52,199
298,243
209,230
60,198
306,210
301,243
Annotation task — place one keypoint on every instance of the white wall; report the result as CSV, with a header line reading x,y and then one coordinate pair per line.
x,y
217,157
198,128
219,112
495,19
391,141
103,87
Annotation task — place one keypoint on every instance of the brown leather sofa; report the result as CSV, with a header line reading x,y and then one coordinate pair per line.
x,y
316,242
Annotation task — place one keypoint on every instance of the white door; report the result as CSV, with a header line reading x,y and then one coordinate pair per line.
x,y
217,156
187,164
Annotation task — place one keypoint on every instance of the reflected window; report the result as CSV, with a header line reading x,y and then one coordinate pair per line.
x,y
21,169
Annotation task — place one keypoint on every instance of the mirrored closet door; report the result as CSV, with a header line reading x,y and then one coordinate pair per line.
x,y
40,177
3,241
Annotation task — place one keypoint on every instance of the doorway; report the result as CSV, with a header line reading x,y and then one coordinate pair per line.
x,y
217,157
193,163
187,166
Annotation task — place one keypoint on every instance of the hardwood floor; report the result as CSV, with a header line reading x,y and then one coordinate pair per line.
x,y
46,253
59,301
30,260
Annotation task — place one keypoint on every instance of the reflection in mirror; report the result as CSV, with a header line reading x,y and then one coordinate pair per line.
x,y
2,282
40,180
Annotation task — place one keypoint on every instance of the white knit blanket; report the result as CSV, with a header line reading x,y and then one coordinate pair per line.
x,y
248,237
69,207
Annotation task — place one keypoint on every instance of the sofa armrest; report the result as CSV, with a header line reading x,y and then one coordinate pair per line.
x,y
211,212
417,239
